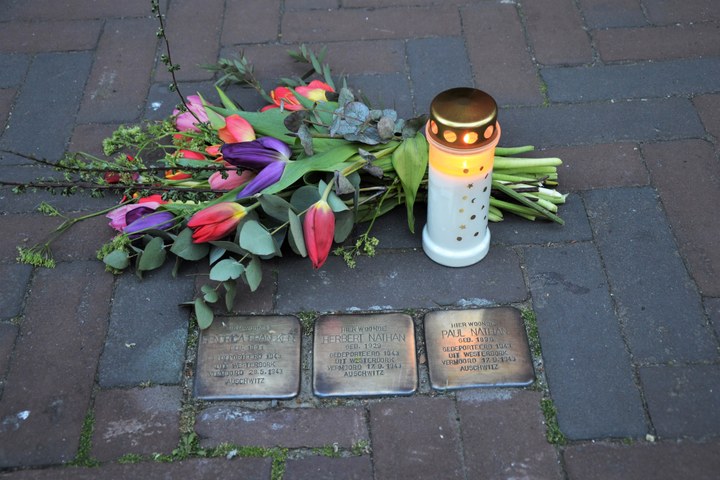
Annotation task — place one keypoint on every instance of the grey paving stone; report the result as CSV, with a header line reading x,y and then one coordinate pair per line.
x,y
499,55
612,13
325,468
398,280
77,9
7,96
197,469
161,101
13,67
45,109
8,334
148,330
437,64
599,166
16,278
392,228
557,33
587,366
663,319
573,124
385,91
708,107
677,11
416,437
712,307
514,230
641,80
141,421
291,428
118,83
663,461
60,340
51,36
251,22
683,400
695,228
503,434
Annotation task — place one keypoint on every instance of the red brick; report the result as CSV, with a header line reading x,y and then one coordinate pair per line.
x,y
251,21
361,24
88,138
658,43
64,35
687,175
708,106
664,461
61,338
74,9
406,3
192,47
326,468
119,80
556,32
502,65
670,12
599,166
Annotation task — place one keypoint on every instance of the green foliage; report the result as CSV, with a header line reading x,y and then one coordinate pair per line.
x,y
83,457
553,433
530,320
410,161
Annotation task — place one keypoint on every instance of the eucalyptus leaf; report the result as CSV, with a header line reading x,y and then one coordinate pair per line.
x,y
230,292
297,239
304,197
229,246
227,269
344,223
296,119
216,253
117,259
343,186
153,256
253,273
184,247
210,295
256,239
306,140
275,206
410,161
203,313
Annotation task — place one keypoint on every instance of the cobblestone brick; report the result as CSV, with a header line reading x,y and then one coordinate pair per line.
x,y
556,32
569,289
292,428
385,91
708,107
612,13
671,12
658,43
661,319
393,422
53,79
397,281
16,278
65,35
7,95
365,24
74,9
192,47
712,306
693,227
664,461
141,421
8,334
60,339
13,67
325,468
500,415
500,60
117,86
253,21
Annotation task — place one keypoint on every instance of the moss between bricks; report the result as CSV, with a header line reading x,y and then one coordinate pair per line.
x,y
83,458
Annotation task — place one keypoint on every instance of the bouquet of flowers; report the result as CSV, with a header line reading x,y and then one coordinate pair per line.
x,y
216,183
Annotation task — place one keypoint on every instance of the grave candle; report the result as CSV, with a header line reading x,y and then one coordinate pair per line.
x,y
462,133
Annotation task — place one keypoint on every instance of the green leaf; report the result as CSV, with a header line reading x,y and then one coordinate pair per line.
x,y
227,103
344,223
275,206
229,246
153,256
268,123
184,247
256,239
216,121
117,259
203,313
225,270
230,292
297,240
216,253
210,294
410,161
304,197
253,274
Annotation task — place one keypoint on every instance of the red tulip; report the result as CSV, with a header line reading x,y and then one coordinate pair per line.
x,y
315,91
216,221
319,231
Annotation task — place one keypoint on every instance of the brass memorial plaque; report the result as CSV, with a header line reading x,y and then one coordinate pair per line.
x,y
364,355
474,348
249,358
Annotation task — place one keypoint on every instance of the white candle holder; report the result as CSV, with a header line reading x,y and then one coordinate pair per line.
x,y
462,134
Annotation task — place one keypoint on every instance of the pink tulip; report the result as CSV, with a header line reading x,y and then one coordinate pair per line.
x,y
232,179
236,129
118,217
315,91
185,120
319,231
216,221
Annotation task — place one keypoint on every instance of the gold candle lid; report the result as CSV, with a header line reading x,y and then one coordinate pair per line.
x,y
463,118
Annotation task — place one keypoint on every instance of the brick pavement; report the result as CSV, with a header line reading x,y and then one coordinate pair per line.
x,y
626,294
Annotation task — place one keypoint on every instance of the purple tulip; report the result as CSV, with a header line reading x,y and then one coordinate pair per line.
x,y
267,156
150,221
